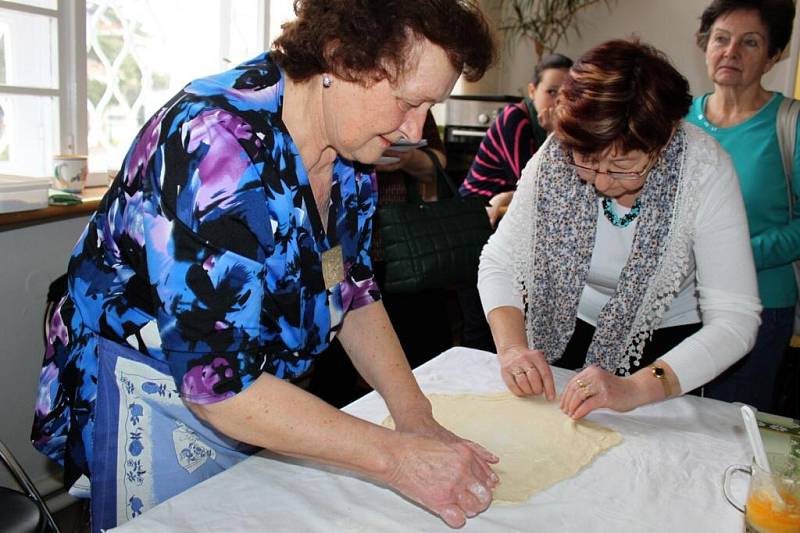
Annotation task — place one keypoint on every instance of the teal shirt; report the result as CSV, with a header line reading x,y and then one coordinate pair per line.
x,y
753,147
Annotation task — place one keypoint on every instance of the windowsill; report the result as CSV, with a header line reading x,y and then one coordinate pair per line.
x,y
91,199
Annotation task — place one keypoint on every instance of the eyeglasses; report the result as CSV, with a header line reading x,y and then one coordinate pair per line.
x,y
591,173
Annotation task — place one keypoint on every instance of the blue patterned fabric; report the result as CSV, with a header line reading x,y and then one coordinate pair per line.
x,y
205,255
150,446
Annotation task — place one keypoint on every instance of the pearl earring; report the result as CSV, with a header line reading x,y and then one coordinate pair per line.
x,y
326,81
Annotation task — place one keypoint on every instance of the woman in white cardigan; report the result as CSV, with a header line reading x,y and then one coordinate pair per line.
x,y
625,252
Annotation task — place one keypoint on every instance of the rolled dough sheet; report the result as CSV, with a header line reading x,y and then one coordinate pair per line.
x,y
537,444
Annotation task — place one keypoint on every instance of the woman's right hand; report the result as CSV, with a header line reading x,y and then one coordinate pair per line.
x,y
526,372
448,478
545,118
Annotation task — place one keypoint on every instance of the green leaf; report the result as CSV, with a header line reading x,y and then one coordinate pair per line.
x,y
545,22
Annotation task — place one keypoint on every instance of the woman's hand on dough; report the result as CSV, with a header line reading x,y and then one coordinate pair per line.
x,y
594,388
449,478
429,427
526,372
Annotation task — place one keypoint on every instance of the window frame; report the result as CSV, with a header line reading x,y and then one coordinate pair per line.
x,y
72,77
68,89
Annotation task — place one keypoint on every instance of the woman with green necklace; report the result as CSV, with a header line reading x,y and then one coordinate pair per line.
x,y
624,254
742,40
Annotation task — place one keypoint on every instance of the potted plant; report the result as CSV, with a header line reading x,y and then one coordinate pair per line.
x,y
545,22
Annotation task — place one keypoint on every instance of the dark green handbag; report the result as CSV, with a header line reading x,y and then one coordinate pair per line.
x,y
433,245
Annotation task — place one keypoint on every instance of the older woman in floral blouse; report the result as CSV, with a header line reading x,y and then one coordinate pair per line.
x,y
230,250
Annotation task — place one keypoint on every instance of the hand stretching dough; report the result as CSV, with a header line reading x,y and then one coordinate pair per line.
x,y
537,444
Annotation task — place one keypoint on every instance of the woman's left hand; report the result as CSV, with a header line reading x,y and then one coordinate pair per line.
x,y
403,156
594,388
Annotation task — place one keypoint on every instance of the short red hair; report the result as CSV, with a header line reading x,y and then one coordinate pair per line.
x,y
621,93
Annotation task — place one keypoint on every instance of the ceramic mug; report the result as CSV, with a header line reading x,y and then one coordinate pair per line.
x,y
773,499
69,172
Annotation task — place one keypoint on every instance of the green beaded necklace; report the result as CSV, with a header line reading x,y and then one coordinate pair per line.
x,y
615,220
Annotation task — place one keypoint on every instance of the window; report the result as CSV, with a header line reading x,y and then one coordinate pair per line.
x,y
138,57
29,87
82,76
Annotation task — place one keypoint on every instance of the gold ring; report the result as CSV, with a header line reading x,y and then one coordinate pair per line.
x,y
517,372
584,387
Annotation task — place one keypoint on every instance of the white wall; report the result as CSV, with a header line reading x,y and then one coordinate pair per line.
x,y
30,258
668,25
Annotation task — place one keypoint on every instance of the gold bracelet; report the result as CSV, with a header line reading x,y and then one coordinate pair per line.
x,y
661,375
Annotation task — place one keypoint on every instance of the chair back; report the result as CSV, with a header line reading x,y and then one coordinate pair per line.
x,y
22,511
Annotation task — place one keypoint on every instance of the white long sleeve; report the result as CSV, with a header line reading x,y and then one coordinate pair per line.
x,y
723,268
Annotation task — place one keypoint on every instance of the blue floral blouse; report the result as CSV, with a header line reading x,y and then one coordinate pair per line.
x,y
207,253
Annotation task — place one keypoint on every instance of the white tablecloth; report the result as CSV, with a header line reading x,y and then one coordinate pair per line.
x,y
666,476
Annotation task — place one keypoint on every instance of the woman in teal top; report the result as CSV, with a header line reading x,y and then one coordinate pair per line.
x,y
742,40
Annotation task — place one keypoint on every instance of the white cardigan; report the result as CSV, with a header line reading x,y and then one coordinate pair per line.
x,y
720,287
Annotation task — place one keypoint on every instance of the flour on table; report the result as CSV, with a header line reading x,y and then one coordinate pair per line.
x,y
537,444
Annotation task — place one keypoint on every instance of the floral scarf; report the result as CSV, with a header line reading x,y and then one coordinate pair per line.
x,y
557,239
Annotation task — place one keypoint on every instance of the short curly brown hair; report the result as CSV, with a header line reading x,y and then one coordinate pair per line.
x,y
366,41
623,93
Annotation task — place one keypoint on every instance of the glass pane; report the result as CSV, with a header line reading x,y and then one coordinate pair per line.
x,y
137,58
28,50
28,134
48,4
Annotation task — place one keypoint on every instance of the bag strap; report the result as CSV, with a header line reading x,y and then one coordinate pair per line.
x,y
441,177
787,130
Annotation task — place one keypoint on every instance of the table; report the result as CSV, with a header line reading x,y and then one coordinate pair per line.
x,y
666,476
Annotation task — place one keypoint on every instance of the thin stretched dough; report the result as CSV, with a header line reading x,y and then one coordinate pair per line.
x,y
537,444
